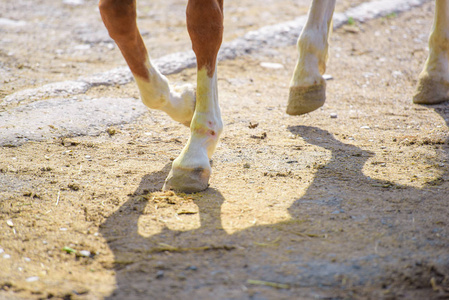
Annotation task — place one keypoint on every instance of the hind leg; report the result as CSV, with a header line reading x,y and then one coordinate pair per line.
x,y
433,82
307,87
119,17
191,170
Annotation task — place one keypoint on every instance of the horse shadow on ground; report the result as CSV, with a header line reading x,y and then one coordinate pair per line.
x,y
329,255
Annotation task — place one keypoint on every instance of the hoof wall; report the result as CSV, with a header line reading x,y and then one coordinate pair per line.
x,y
187,180
302,100
430,91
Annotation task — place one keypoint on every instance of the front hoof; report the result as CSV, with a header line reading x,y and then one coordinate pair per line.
x,y
431,91
302,100
187,180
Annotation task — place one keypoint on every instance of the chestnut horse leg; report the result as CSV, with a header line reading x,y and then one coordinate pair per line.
x,y
119,16
191,170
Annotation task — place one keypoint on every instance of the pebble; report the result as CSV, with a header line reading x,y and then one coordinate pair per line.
x,y
192,268
365,127
270,65
85,253
73,2
333,115
32,279
396,73
11,23
82,47
327,77
1,250
160,274
6,256
27,259
10,223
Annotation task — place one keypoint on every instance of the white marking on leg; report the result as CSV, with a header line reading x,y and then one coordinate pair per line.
x,y
437,64
313,44
178,103
433,83
307,87
191,170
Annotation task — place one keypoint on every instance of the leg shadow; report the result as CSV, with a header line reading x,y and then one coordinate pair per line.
x,y
328,245
157,265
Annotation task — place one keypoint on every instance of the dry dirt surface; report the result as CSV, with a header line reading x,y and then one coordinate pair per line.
x,y
347,202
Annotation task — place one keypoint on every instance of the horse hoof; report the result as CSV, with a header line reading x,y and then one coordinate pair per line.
x,y
429,91
302,100
187,180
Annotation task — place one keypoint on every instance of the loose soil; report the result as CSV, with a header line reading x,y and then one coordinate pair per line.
x,y
353,206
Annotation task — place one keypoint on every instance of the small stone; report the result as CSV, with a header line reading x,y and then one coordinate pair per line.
x,y
396,74
6,256
11,23
111,131
328,77
365,127
1,250
32,279
351,29
73,186
246,165
192,268
10,223
160,265
159,274
269,65
82,47
333,115
27,259
85,253
73,2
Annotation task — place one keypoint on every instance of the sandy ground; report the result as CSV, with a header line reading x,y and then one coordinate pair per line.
x,y
310,207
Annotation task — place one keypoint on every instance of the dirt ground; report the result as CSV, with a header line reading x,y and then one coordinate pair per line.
x,y
311,207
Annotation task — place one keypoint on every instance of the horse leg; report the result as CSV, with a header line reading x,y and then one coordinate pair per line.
x,y
307,87
433,82
119,17
191,170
